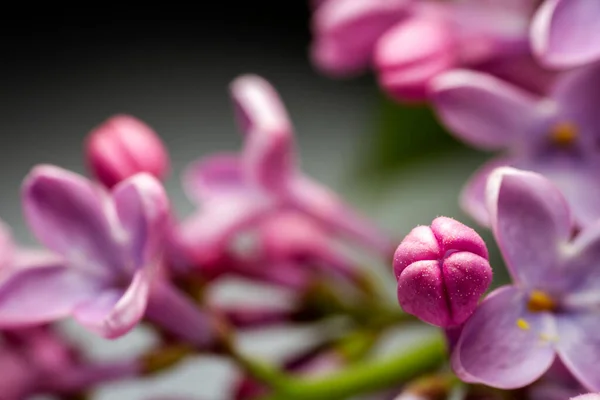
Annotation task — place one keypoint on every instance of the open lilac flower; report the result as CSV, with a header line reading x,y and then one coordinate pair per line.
x,y
552,308
589,396
409,42
557,135
564,33
110,246
235,191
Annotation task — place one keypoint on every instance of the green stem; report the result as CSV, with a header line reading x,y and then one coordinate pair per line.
x,y
365,377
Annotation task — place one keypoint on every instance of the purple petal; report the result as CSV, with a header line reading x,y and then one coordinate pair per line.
x,y
258,106
577,94
582,275
564,33
481,109
72,216
531,222
41,293
472,197
325,206
113,313
346,32
578,181
143,209
213,176
502,344
579,346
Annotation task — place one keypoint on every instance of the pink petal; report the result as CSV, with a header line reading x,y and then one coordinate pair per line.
x,y
269,159
579,346
74,217
213,176
143,209
502,344
207,234
258,105
113,313
268,156
564,33
531,222
346,32
326,207
7,246
481,109
41,293
413,52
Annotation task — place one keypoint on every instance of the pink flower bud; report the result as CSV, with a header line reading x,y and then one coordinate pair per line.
x,y
123,146
408,56
442,271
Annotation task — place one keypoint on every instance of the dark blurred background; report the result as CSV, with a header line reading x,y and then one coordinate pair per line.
x,y
63,72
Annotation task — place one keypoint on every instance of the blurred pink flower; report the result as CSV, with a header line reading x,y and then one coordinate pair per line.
x,y
236,191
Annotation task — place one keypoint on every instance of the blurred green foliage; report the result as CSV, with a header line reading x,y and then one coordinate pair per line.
x,y
403,135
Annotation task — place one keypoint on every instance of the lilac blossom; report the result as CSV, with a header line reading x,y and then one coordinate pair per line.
x,y
110,246
122,147
442,271
236,191
564,33
409,42
557,135
552,309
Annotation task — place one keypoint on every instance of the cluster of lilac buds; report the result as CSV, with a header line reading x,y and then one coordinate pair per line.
x,y
517,76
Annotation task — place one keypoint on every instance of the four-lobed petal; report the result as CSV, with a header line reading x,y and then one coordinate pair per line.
x,y
111,246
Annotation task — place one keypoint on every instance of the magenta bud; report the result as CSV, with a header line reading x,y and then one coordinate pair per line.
x,y
122,147
442,271
408,56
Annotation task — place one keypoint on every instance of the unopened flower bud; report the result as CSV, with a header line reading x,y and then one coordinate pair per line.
x,y
408,56
123,146
442,271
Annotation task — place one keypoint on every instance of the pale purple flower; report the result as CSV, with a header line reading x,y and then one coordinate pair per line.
x,y
123,146
564,33
442,271
110,246
409,42
589,396
557,135
235,191
552,309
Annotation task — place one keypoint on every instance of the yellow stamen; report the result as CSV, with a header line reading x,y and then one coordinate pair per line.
x,y
564,134
540,301
521,323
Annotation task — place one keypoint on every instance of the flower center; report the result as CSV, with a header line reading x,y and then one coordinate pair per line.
x,y
540,301
564,134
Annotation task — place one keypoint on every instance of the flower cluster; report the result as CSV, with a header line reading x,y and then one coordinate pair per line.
x,y
517,76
